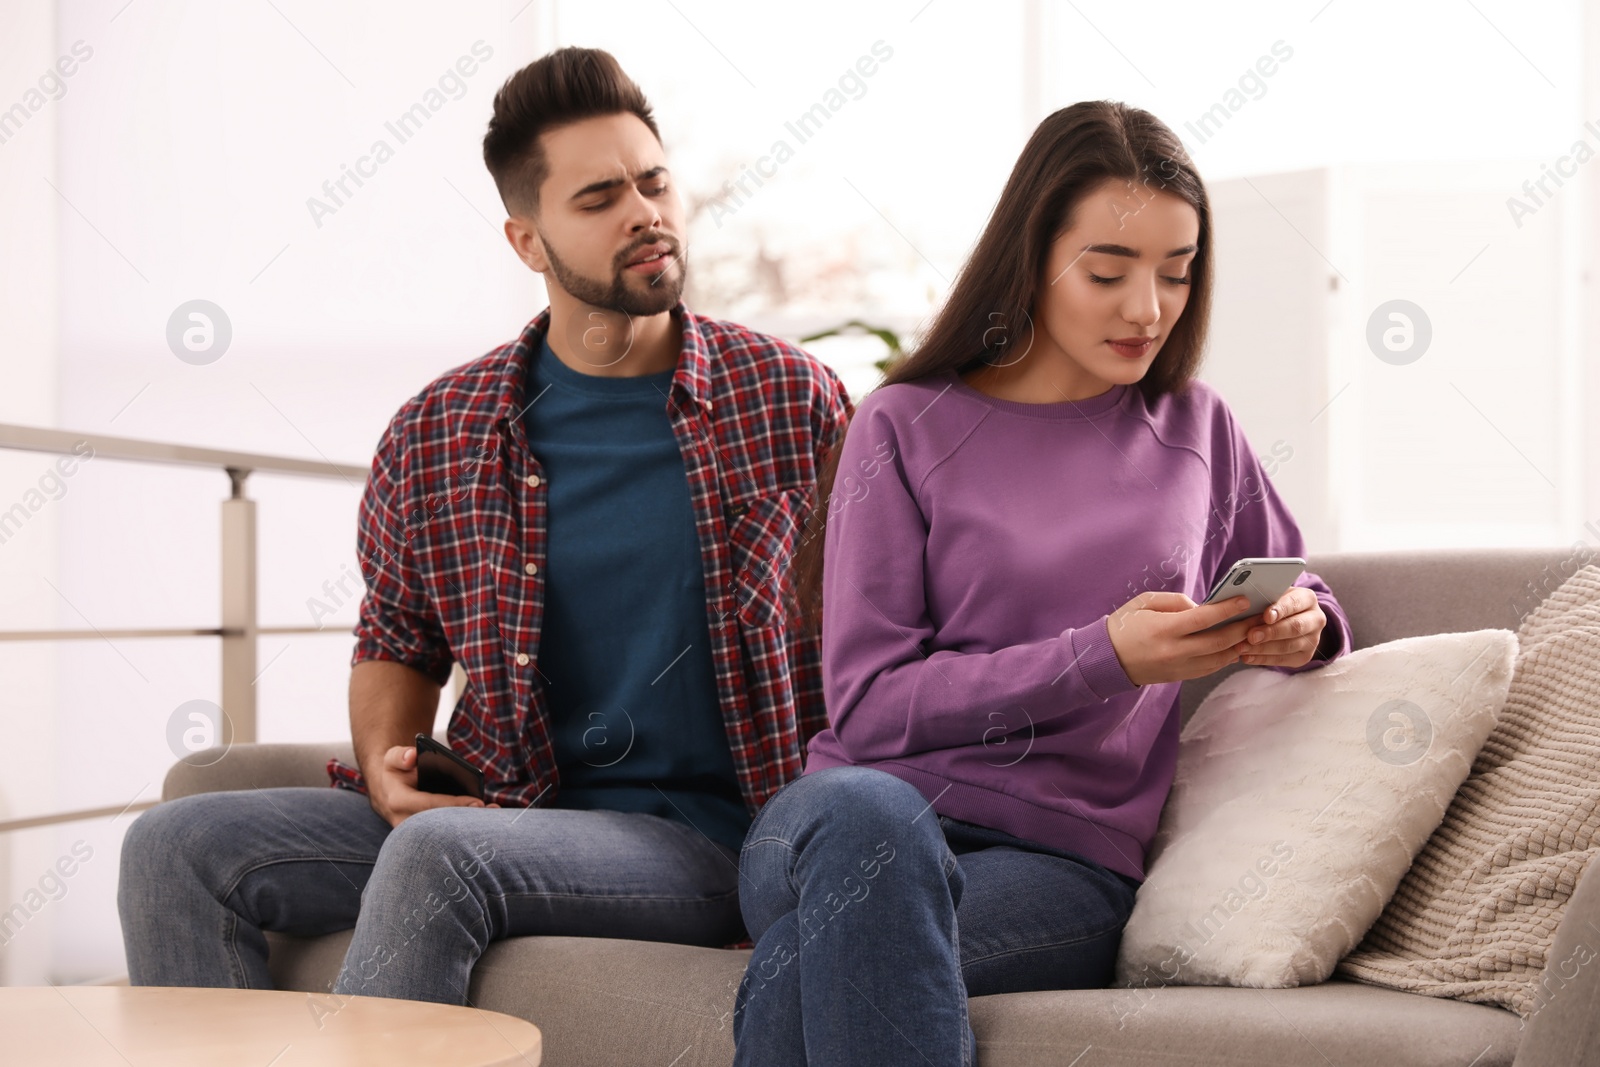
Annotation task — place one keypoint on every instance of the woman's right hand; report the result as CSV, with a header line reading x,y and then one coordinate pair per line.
x,y
1157,639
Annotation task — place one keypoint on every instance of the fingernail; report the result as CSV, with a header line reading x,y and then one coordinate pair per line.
x,y
1272,613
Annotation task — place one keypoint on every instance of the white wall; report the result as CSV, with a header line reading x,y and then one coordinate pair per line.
x,y
1466,441
1582,400
1269,352
29,369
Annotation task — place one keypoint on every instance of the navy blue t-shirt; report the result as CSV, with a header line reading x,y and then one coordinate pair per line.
x,y
625,650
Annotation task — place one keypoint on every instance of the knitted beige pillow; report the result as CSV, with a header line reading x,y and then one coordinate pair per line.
x,y
1475,916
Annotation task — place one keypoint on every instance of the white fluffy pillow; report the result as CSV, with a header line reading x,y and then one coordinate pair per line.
x,y
1300,801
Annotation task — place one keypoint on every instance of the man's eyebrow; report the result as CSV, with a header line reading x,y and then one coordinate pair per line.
x,y
1124,250
611,183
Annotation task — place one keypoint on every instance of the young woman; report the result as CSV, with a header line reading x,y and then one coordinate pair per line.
x,y
1018,527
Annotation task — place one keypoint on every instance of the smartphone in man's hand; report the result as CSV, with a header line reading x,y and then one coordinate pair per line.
x,y
440,770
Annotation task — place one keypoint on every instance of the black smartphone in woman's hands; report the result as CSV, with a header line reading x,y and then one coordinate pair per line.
x,y
1263,580
440,770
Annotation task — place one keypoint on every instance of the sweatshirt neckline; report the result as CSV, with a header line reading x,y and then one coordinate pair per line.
x,y
1086,408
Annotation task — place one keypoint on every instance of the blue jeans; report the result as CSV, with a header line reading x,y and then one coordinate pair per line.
x,y
202,876
875,918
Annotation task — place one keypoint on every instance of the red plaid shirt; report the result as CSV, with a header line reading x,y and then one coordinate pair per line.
x,y
452,528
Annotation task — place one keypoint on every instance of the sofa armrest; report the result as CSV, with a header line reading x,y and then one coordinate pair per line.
x,y
254,766
1564,1028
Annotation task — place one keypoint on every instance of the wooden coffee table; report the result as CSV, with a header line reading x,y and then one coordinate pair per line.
x,y
183,1027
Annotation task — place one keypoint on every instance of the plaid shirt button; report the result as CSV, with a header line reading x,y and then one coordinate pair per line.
x,y
522,659
533,480
532,568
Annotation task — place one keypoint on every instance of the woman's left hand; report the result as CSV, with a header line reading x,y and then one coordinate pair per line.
x,y
1291,632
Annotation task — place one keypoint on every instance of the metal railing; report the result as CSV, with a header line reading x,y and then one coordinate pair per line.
x,y
239,628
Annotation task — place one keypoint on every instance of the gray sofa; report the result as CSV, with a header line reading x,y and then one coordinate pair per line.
x,y
607,1002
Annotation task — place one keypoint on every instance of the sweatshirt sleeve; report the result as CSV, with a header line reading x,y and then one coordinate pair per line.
x,y
1263,526
888,691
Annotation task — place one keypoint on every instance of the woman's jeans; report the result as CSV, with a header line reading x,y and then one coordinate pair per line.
x,y
875,918
202,876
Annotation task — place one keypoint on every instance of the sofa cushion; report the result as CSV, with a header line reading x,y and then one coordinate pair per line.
x,y
600,1002
1298,803
595,1000
1477,914
1336,1022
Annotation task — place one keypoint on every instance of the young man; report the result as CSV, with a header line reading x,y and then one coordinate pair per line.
x,y
593,521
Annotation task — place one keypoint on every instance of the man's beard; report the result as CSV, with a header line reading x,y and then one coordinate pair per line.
x,y
662,293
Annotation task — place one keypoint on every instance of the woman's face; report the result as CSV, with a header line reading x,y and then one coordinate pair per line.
x,y
1121,273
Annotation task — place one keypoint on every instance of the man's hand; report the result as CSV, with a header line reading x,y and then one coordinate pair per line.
x,y
393,789
1291,631
389,703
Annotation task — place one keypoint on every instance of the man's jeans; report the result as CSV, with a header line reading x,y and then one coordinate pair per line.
x,y
204,875
875,918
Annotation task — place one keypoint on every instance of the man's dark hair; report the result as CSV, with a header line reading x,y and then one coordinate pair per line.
x,y
555,90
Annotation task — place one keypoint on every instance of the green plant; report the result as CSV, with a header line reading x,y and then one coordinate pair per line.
x,y
890,339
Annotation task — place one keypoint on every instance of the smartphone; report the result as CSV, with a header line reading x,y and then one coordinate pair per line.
x,y
1262,580
441,771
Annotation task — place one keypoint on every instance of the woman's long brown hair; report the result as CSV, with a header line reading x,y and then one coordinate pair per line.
x,y
1072,151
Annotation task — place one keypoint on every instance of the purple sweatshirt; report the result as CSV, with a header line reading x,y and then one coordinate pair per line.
x,y
975,549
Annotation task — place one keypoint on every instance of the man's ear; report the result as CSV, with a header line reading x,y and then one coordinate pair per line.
x,y
527,243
